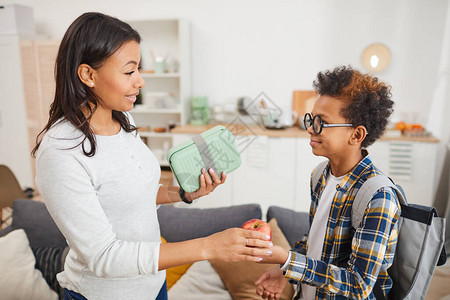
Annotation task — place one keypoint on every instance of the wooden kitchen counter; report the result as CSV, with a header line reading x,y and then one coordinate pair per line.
x,y
239,129
292,132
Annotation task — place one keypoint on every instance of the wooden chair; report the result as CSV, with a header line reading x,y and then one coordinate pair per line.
x,y
10,188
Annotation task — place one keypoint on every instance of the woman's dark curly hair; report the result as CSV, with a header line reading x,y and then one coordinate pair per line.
x,y
369,100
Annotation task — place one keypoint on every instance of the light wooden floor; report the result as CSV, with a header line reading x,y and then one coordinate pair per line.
x,y
440,284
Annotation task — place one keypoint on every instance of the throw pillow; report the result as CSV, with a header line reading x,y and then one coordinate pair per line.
x,y
21,280
5,231
50,261
240,277
200,282
175,273
293,224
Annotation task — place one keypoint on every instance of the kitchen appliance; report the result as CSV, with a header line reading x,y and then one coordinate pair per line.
x,y
200,111
277,118
288,117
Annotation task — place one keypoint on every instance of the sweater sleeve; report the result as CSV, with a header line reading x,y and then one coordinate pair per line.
x,y
72,201
369,246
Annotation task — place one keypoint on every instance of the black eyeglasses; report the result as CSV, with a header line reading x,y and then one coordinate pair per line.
x,y
317,123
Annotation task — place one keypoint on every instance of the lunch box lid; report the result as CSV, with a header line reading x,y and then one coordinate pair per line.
x,y
186,161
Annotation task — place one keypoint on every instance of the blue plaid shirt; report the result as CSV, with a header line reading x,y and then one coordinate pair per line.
x,y
352,259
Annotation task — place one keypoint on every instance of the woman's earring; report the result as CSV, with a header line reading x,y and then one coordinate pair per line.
x,y
92,84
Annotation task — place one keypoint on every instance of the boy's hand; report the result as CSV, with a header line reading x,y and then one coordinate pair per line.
x,y
271,284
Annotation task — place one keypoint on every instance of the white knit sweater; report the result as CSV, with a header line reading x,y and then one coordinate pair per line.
x,y
105,206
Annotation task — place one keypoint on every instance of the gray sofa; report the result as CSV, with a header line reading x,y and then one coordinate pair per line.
x,y
177,224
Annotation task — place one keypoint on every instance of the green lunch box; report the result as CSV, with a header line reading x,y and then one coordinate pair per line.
x,y
214,148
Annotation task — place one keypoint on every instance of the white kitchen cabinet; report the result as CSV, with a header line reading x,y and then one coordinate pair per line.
x,y
410,164
306,162
267,173
379,153
166,95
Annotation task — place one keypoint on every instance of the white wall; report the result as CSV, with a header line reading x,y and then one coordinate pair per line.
x,y
244,47
439,123
14,149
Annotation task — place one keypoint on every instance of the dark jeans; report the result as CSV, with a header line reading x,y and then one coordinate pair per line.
x,y
71,295
162,293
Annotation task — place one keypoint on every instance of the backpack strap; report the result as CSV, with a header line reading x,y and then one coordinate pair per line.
x,y
366,192
362,199
318,171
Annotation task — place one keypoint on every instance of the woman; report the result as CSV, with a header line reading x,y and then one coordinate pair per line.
x,y
101,183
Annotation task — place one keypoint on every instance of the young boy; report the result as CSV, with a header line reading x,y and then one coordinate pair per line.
x,y
335,261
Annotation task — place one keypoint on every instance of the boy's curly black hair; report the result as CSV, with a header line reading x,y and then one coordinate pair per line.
x,y
369,101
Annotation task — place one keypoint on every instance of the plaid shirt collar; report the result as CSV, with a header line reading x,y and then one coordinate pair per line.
x,y
352,177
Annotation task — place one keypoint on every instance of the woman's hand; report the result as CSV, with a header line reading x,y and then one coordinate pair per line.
x,y
207,184
236,244
279,256
271,284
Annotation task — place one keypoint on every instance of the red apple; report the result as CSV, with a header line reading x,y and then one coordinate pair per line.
x,y
258,225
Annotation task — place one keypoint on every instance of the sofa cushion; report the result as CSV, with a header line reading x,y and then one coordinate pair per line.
x,y
50,261
21,280
293,224
200,282
5,231
239,277
180,224
34,218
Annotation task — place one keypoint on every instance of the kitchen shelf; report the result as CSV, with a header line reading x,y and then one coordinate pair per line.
x,y
159,75
144,110
168,38
155,134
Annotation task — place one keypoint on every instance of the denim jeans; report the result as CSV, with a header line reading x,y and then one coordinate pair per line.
x,y
163,292
71,295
